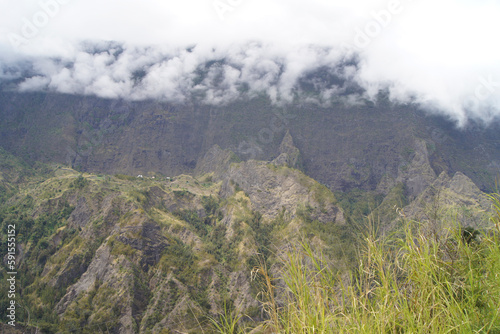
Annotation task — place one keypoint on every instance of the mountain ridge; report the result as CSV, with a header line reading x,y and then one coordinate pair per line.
x,y
342,147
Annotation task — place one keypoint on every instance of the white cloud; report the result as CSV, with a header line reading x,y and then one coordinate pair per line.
x,y
443,55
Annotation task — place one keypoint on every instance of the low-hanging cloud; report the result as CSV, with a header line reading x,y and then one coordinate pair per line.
x,y
442,56
212,76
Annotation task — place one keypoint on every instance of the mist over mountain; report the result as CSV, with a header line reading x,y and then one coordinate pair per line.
x,y
139,110
221,75
351,75
441,56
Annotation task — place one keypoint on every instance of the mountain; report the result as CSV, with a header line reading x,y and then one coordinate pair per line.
x,y
342,146
136,254
149,217
149,254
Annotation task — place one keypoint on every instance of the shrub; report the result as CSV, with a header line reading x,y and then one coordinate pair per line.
x,y
80,182
179,194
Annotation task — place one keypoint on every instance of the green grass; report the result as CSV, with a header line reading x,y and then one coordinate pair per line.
x,y
410,282
227,322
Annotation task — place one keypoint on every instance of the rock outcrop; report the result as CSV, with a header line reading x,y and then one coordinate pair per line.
x,y
289,154
448,201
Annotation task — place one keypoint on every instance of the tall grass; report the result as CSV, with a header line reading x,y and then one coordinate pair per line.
x,y
415,282
227,322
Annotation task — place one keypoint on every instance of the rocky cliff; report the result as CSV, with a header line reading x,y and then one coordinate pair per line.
x,y
342,146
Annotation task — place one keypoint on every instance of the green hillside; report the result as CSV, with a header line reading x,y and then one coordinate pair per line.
x,y
158,254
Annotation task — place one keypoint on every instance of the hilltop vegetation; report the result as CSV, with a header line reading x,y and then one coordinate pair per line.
x,y
154,254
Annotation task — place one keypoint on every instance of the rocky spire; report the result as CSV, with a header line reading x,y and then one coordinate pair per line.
x,y
289,153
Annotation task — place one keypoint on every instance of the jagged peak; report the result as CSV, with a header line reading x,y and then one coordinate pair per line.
x,y
289,153
417,173
287,144
458,183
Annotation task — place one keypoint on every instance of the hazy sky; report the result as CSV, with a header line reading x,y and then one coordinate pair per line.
x,y
442,54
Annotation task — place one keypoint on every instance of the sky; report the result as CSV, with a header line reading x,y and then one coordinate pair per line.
x,y
443,55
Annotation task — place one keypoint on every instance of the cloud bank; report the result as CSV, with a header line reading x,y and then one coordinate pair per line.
x,y
442,56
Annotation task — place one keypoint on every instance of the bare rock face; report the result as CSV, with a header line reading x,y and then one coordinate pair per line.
x,y
461,184
216,161
414,171
448,201
147,239
418,174
100,269
289,154
342,146
274,189
171,298
240,290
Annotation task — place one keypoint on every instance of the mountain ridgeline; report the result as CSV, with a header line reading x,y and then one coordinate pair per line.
x,y
343,147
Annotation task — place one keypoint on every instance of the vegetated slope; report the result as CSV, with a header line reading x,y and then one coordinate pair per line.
x,y
342,146
140,255
414,281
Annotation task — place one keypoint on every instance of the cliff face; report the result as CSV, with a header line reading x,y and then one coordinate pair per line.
x,y
342,147
450,201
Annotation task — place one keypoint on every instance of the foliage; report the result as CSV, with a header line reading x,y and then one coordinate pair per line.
x,y
358,204
46,224
220,247
262,233
36,233
140,196
179,259
340,240
29,229
5,192
227,322
305,212
236,185
414,283
179,194
211,205
125,177
193,219
80,182
120,248
93,311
